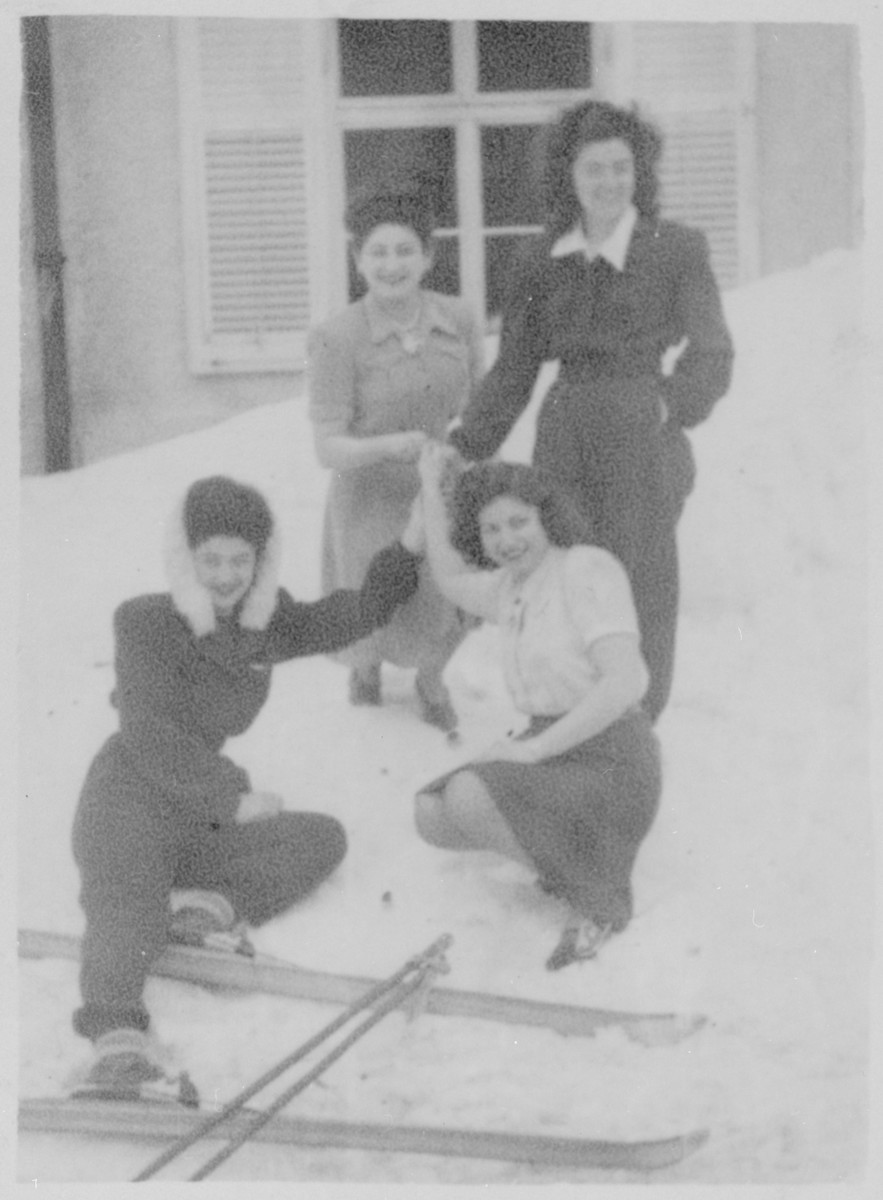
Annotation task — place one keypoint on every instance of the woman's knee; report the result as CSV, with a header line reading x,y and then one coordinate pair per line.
x,y
285,859
322,836
430,819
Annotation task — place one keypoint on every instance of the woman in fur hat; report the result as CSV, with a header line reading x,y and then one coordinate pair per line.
x,y
171,841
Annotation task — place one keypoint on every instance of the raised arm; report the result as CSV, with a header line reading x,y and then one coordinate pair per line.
x,y
300,628
464,585
504,392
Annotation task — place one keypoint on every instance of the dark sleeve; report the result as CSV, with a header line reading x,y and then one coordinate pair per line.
x,y
300,628
702,373
156,717
505,391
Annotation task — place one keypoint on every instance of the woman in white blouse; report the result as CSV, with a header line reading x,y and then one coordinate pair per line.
x,y
574,794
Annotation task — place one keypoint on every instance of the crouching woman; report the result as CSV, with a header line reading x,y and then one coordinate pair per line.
x,y
171,841
574,795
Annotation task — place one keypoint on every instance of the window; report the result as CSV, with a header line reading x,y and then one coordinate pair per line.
x,y
533,56
372,156
495,87
395,58
510,200
459,104
282,120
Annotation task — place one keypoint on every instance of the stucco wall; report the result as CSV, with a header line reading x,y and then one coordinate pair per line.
x,y
809,142
118,163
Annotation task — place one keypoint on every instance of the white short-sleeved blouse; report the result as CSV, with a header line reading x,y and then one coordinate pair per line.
x,y
549,621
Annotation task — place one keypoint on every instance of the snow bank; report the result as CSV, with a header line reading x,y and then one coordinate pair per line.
x,y
753,891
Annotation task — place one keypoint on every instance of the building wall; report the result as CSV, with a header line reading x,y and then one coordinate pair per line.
x,y
118,164
809,142
120,210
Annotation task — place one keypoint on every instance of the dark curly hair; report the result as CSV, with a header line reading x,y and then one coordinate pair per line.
x,y
483,483
404,204
597,121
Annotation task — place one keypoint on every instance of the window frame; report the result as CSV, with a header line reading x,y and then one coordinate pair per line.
x,y
465,109
324,116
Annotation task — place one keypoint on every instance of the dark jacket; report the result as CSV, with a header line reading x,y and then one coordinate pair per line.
x,y
602,323
180,695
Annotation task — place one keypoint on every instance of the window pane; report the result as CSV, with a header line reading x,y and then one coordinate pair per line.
x,y
510,175
498,259
394,58
444,276
529,56
373,157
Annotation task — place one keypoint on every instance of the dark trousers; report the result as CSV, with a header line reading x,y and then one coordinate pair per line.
x,y
604,441
132,855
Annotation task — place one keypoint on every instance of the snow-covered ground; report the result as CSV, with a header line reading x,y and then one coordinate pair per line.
x,y
754,890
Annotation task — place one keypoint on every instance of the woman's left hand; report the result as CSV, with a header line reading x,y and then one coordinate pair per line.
x,y
509,750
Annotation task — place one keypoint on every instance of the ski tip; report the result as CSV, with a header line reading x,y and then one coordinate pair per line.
x,y
694,1141
666,1029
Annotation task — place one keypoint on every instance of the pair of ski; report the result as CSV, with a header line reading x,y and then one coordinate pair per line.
x,y
274,976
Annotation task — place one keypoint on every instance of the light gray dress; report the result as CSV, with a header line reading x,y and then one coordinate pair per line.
x,y
366,379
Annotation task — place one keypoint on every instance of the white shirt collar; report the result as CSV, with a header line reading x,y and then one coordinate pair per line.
x,y
614,248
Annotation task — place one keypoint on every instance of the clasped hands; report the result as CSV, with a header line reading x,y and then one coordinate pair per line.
x,y
438,465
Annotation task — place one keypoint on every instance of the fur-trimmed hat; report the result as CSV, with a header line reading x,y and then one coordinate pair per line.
x,y
222,507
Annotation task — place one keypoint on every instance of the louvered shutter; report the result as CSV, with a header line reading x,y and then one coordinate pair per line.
x,y
244,98
697,82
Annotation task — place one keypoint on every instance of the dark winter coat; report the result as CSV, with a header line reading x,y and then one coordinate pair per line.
x,y
181,695
604,324
611,427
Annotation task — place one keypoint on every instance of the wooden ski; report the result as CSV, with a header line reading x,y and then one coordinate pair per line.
x,y
273,976
159,1122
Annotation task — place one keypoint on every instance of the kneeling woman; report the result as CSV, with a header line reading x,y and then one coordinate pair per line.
x,y
575,794
165,821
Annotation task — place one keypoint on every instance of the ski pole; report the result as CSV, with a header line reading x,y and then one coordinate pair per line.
x,y
265,1115
431,954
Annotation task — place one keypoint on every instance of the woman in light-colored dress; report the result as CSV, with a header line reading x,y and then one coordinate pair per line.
x,y
576,793
391,370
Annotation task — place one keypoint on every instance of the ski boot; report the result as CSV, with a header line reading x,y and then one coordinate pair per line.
x,y
207,920
580,940
436,708
365,688
128,1065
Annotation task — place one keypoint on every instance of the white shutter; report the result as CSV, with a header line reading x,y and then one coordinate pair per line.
x,y
696,81
244,100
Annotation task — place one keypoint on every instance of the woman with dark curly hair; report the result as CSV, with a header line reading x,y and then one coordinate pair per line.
x,y
612,292
389,371
575,794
